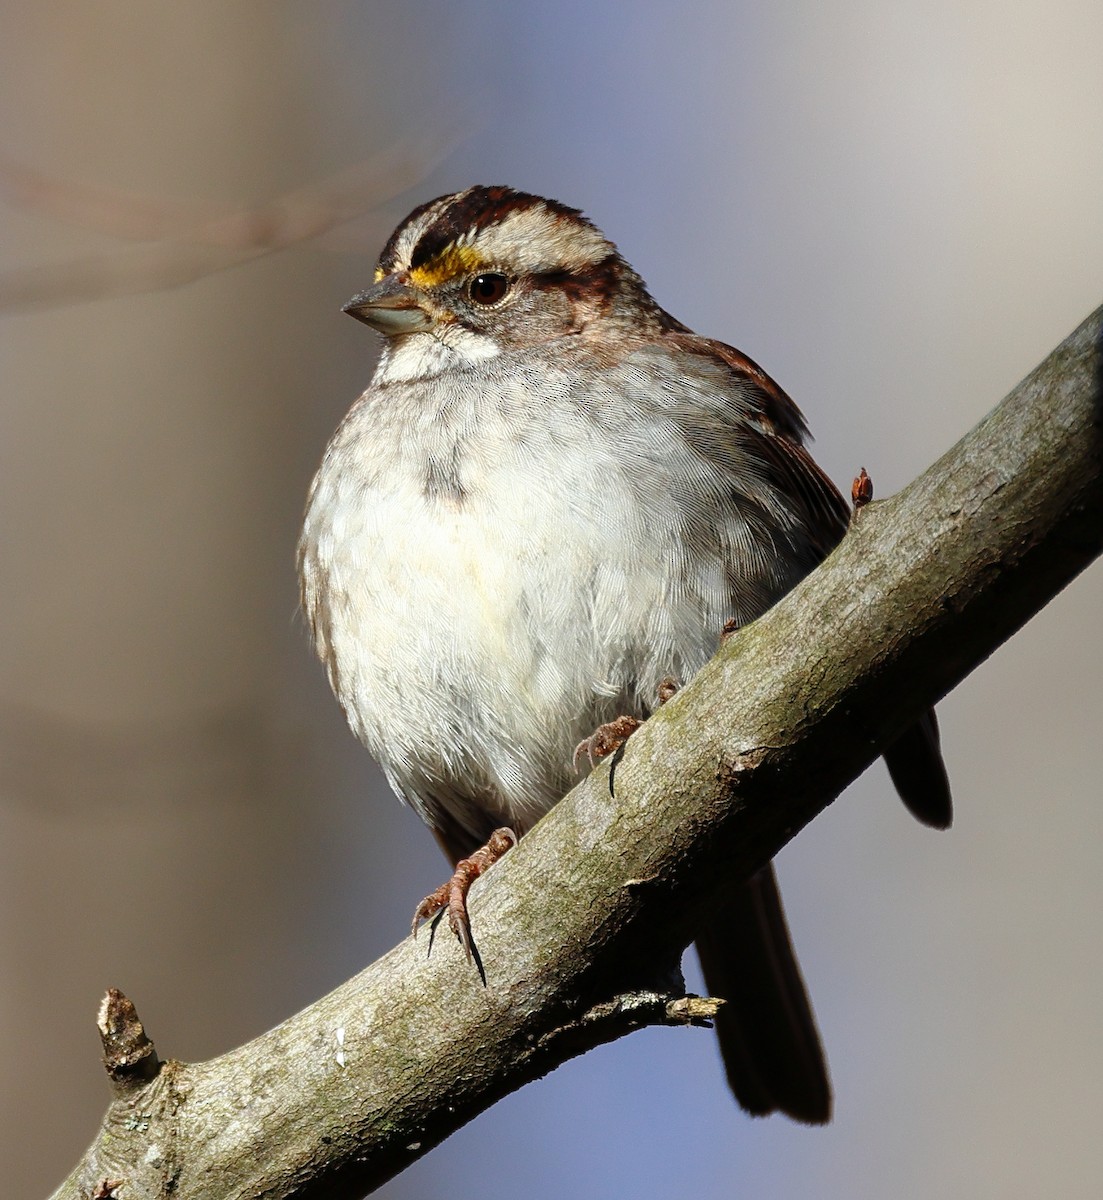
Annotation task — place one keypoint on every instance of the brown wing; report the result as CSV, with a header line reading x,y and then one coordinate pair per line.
x,y
777,431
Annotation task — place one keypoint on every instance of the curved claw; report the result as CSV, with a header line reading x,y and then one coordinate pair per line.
x,y
586,746
453,894
606,738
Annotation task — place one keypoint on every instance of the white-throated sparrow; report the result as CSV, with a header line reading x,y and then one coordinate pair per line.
x,y
550,500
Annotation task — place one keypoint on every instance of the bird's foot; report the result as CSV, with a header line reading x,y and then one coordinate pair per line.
x,y
453,894
606,739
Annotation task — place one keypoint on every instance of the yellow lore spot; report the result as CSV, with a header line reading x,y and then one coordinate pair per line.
x,y
455,260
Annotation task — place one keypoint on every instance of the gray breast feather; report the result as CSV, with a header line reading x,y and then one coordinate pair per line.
x,y
522,569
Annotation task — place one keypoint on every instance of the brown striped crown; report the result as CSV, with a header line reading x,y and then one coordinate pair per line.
x,y
486,228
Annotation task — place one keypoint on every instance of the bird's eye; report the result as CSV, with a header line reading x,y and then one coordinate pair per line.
x,y
488,289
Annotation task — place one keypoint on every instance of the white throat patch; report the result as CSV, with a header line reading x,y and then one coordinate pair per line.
x,y
420,355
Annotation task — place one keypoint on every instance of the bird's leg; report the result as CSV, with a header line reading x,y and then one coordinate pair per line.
x,y
453,894
613,734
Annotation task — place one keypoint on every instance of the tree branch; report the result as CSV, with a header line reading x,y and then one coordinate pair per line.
x,y
580,926
186,240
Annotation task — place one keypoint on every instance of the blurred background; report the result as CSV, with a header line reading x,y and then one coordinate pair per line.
x,y
896,208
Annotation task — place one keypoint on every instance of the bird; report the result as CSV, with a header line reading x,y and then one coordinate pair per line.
x,y
539,515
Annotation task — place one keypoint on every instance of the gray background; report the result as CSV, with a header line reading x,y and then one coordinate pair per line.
x,y
896,208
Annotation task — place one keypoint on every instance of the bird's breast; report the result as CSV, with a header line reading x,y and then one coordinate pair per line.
x,y
490,580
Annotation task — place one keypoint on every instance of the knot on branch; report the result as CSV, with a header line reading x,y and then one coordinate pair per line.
x,y
734,772
694,1010
628,1011
128,1055
633,1010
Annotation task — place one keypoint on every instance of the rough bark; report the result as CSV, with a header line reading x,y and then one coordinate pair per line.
x,y
580,927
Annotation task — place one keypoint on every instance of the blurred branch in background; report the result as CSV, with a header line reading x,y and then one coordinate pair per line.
x,y
342,1096
192,238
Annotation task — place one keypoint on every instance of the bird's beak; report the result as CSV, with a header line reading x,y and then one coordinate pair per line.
x,y
391,307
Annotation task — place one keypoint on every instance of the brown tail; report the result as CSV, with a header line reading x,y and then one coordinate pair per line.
x,y
919,775
768,1036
